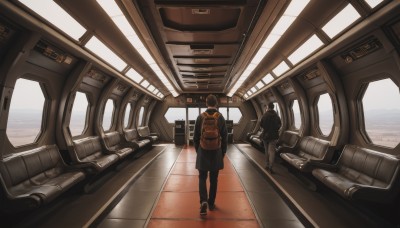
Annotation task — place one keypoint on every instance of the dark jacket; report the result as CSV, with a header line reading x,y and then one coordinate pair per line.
x,y
270,122
210,160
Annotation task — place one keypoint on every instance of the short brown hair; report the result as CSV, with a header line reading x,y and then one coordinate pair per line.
x,y
271,105
211,100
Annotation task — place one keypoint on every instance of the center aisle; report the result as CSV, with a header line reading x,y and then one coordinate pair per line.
x,y
179,206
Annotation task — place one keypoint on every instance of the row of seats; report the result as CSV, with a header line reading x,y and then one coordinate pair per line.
x,y
35,177
358,174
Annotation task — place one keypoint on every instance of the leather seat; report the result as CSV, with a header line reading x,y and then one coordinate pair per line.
x,y
362,174
88,153
144,133
114,144
287,141
35,177
311,150
131,135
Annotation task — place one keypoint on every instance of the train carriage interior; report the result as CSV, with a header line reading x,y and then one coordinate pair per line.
x,y
99,101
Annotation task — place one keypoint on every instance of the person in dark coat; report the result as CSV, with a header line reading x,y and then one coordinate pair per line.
x,y
209,161
271,123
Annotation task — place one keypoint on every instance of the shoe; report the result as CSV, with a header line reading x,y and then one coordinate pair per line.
x,y
211,207
203,208
271,170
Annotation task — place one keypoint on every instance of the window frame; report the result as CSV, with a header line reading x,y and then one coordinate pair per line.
x,y
361,115
85,128
293,119
45,114
316,114
140,123
129,117
112,115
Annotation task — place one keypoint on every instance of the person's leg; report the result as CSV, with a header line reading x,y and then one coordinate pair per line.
x,y
203,186
271,153
267,160
213,188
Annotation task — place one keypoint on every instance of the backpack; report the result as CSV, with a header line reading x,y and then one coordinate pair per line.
x,y
210,138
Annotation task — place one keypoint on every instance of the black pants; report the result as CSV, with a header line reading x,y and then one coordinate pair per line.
x,y
203,186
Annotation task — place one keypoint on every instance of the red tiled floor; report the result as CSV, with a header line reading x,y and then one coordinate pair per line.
x,y
178,205
203,223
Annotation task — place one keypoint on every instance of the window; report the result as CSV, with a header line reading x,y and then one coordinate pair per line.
x,y
173,114
108,115
193,113
141,113
325,114
381,107
277,109
77,122
308,47
280,69
26,112
296,114
127,114
235,114
373,3
223,111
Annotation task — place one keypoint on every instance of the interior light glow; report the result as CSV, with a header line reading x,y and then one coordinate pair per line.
x,y
246,96
267,79
145,83
373,3
308,47
294,9
260,84
57,16
249,93
100,49
341,21
115,13
135,76
151,88
280,69
253,89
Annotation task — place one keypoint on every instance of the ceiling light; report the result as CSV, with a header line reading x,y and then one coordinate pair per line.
x,y
260,84
115,13
145,83
267,79
135,76
57,16
341,21
100,49
280,69
373,3
294,9
308,47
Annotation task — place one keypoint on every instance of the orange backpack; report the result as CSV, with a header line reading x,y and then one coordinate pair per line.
x,y
210,138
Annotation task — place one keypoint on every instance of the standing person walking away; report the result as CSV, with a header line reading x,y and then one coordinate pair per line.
x,y
271,123
210,142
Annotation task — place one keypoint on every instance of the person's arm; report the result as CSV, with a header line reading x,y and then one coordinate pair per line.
x,y
197,132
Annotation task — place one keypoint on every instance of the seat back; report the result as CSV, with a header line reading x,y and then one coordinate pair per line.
x,y
143,131
87,146
288,139
131,134
42,162
368,167
112,139
315,149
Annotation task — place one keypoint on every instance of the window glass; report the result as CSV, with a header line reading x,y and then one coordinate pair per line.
x,y
126,115
296,114
224,112
202,110
325,114
141,113
235,114
108,115
277,109
78,115
381,112
173,114
193,113
26,112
